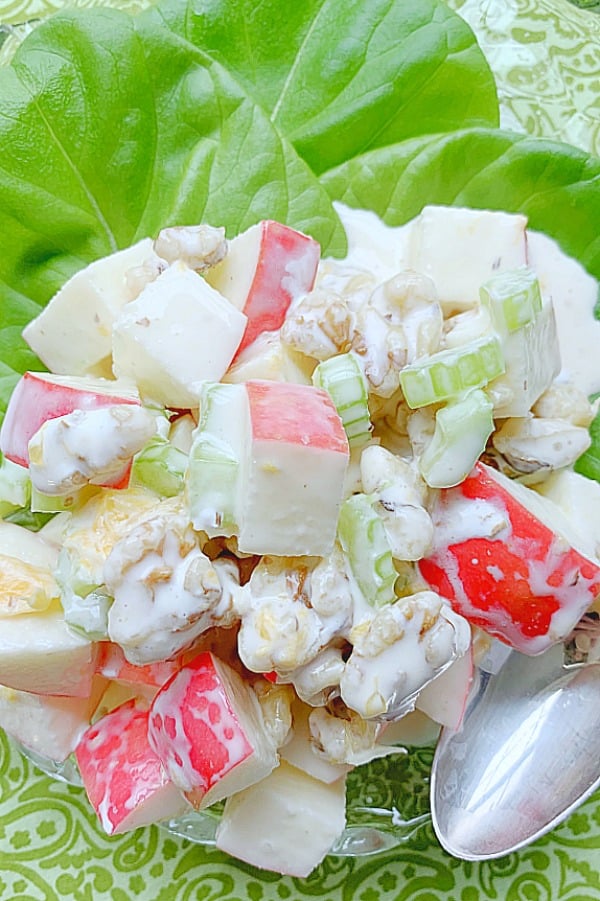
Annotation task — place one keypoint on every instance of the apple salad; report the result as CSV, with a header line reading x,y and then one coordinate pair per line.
x,y
293,502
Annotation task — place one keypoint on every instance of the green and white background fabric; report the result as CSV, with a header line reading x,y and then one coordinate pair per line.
x,y
546,58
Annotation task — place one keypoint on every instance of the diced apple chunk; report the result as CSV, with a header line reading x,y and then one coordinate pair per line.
x,y
287,823
297,469
177,333
112,664
459,249
206,727
39,653
39,397
266,267
48,725
30,547
269,358
300,750
268,465
509,561
444,700
125,781
72,335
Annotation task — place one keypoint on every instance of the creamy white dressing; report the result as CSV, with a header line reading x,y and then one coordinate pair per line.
x,y
574,293
384,251
380,249
398,652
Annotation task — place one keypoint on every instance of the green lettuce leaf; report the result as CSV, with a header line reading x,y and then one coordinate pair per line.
x,y
555,185
112,127
340,78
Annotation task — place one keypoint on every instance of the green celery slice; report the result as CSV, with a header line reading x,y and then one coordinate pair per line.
x,y
343,379
364,541
461,432
513,298
214,464
451,372
15,487
161,467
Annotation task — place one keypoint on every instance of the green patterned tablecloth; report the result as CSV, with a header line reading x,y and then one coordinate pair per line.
x,y
546,56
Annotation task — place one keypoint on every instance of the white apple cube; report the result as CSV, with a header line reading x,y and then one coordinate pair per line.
x,y
40,654
178,333
125,781
30,547
266,267
268,464
532,357
300,750
579,499
72,335
459,249
206,727
39,396
269,358
48,725
445,699
296,471
287,823
27,562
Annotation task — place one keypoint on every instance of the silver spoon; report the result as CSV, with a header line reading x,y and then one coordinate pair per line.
x,y
526,755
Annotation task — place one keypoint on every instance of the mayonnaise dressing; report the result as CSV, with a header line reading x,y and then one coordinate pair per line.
x,y
574,293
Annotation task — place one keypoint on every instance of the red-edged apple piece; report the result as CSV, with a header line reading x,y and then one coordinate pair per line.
x,y
112,664
266,267
125,781
40,396
509,561
295,482
206,727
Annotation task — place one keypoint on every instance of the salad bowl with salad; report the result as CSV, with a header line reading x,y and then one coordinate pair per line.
x,y
298,401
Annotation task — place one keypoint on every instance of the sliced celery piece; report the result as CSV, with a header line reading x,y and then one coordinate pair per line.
x,y
453,371
45,503
343,379
85,606
513,298
160,467
461,432
214,462
363,539
23,516
15,487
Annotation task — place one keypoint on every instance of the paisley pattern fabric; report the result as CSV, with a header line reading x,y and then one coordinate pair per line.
x,y
546,56
51,848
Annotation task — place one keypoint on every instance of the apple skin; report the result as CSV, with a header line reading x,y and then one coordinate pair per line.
x,y
526,583
206,727
40,396
281,264
125,781
112,664
294,429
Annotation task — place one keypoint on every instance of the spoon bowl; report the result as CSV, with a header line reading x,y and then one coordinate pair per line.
x,y
527,754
